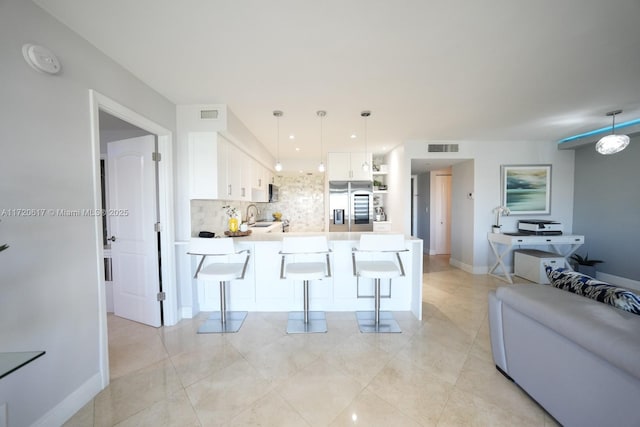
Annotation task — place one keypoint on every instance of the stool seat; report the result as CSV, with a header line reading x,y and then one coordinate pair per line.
x,y
378,269
221,272
306,270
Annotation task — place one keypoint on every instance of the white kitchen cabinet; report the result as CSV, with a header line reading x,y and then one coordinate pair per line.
x,y
207,166
234,173
244,164
348,166
261,178
217,168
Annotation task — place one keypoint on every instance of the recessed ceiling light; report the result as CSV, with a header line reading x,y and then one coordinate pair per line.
x,y
292,136
297,148
354,136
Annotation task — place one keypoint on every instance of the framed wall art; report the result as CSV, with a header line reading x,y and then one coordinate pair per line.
x,y
526,189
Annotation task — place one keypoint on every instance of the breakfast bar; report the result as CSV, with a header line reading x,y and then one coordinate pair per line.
x,y
262,289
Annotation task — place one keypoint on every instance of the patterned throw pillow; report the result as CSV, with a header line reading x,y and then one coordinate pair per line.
x,y
589,287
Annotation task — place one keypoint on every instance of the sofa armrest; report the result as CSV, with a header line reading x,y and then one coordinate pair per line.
x,y
497,334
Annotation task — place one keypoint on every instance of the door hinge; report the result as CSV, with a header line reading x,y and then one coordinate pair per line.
x,y
161,296
156,157
157,227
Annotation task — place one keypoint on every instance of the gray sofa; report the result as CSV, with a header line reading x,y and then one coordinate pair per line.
x,y
578,358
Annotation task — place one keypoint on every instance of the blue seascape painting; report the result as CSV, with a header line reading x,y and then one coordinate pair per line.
x,y
527,189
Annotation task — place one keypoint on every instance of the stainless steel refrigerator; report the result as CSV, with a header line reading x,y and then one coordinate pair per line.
x,y
350,206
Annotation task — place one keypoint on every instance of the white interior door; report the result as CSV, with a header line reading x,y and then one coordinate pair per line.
x,y
443,214
132,216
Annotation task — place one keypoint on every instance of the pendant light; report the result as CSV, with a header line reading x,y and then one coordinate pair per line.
x,y
365,114
321,114
278,166
613,143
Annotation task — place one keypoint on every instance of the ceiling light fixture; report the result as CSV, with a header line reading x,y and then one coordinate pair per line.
x,y
613,143
365,114
321,114
278,166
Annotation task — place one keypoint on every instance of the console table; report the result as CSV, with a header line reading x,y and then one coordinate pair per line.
x,y
502,244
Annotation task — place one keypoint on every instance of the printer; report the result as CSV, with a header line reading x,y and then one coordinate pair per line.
x,y
540,227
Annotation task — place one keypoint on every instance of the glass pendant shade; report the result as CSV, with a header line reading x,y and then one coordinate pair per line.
x,y
321,167
278,167
612,144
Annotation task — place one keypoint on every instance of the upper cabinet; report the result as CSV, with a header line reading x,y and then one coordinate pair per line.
x,y
261,178
226,161
348,166
207,166
220,170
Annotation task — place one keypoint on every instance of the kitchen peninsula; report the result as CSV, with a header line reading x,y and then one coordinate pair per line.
x,y
262,289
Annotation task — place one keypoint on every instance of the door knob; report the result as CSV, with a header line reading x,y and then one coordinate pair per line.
x,y
112,238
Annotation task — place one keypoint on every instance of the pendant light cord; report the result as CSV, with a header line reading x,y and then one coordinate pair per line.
x,y
278,114
365,114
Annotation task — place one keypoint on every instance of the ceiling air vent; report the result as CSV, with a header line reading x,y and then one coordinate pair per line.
x,y
209,114
442,148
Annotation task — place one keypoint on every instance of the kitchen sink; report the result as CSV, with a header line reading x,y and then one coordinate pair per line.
x,y
262,224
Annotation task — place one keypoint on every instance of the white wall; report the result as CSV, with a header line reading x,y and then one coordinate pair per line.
x,y
49,277
462,215
398,202
488,156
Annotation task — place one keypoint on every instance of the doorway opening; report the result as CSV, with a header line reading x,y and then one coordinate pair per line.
x,y
434,199
159,173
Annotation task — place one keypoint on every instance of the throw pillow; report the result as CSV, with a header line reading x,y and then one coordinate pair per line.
x,y
589,287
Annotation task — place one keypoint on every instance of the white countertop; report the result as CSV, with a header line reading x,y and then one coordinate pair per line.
x,y
331,236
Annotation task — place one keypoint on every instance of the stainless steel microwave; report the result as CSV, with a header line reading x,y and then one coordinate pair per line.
x,y
274,193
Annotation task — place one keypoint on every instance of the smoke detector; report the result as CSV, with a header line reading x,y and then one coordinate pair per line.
x,y
41,59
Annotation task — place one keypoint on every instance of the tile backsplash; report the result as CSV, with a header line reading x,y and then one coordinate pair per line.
x,y
301,202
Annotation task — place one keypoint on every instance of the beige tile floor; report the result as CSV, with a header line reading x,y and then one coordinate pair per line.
x,y
437,372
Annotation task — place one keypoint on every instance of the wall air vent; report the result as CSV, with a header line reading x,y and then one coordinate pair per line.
x,y
208,114
442,148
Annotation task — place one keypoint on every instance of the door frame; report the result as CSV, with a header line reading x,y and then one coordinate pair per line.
x,y
99,102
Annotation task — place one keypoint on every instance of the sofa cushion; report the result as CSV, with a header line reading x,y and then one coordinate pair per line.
x,y
589,287
613,335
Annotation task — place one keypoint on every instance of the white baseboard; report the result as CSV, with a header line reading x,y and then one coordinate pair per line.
x,y
72,403
186,313
619,281
472,269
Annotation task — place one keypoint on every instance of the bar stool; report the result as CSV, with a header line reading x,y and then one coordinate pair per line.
x,y
376,247
305,251
222,271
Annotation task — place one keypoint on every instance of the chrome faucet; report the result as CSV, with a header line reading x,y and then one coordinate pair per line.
x,y
249,218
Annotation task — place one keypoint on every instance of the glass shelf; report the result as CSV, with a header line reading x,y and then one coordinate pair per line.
x,y
10,362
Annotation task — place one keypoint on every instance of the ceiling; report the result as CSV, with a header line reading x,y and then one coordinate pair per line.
x,y
507,70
